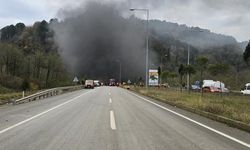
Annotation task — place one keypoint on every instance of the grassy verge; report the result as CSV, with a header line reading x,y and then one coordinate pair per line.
x,y
7,97
234,107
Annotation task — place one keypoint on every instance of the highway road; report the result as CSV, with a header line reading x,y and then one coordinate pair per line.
x,y
111,118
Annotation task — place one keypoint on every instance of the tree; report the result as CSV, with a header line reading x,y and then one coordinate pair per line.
x,y
159,73
164,75
246,54
25,85
52,65
8,33
181,72
216,69
29,54
189,69
41,30
11,58
20,28
16,58
201,62
172,75
38,63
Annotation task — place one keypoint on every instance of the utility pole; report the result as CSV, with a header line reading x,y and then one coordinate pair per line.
x,y
147,43
188,62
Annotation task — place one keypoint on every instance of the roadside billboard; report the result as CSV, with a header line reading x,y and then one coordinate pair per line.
x,y
153,77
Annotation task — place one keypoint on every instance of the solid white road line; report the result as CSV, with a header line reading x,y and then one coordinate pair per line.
x,y
40,114
112,120
109,93
195,122
110,100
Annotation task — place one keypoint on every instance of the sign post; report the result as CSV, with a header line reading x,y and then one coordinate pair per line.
x,y
75,80
153,77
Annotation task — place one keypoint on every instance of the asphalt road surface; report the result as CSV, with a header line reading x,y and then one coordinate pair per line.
x,y
111,118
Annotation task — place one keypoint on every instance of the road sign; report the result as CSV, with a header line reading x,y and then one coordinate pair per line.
x,y
75,79
153,77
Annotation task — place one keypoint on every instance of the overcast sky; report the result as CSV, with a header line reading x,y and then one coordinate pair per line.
x,y
231,17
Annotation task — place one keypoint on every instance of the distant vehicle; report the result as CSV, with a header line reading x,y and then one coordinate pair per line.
x,y
97,83
127,87
215,86
210,89
112,82
165,85
141,84
246,89
225,90
89,84
195,88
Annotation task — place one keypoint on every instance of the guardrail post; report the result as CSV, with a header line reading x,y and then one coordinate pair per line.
x,y
13,102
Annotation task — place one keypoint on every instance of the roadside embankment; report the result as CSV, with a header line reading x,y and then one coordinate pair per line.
x,y
233,110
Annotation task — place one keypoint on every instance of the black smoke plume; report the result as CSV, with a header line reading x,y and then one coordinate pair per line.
x,y
93,40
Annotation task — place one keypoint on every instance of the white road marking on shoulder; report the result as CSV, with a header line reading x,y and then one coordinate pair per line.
x,y
40,114
112,120
195,122
110,100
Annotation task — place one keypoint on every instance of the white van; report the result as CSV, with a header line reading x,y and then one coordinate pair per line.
x,y
220,86
246,89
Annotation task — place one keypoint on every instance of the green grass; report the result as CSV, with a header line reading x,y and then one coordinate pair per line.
x,y
4,98
236,107
4,90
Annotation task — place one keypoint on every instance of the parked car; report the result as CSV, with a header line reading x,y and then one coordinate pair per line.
x,y
127,87
97,83
225,90
165,85
195,88
214,86
210,89
246,89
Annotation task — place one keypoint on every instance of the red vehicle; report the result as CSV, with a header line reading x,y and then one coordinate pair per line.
x,y
211,89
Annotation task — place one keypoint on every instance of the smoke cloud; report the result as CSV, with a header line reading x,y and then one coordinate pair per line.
x,y
95,38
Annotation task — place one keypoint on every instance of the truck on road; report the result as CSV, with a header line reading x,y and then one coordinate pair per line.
x,y
89,84
112,82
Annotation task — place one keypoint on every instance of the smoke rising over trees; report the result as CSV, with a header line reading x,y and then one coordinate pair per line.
x,y
92,39
96,36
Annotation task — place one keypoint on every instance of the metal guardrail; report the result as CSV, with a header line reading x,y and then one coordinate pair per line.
x,y
47,93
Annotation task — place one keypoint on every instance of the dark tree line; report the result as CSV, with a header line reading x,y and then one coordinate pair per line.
x,y
223,63
246,54
28,54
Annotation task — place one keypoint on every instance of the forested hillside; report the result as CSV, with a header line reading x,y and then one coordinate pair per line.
x,y
223,54
29,58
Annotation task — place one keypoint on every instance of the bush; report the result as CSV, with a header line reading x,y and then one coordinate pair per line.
x,y
25,85
4,90
11,82
34,85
